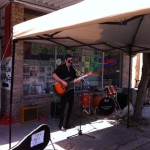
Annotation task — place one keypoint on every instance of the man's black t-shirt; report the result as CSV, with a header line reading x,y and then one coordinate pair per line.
x,y
63,73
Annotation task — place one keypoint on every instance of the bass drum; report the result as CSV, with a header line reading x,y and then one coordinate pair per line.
x,y
106,106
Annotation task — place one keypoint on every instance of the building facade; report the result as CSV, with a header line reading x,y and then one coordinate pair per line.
x,y
35,62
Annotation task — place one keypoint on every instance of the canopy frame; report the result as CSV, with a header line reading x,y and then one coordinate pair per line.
x,y
132,13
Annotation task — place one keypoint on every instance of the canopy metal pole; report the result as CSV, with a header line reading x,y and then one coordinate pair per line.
x,y
11,86
11,91
129,84
130,63
102,75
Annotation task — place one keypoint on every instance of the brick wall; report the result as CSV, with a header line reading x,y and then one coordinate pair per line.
x,y
18,16
17,13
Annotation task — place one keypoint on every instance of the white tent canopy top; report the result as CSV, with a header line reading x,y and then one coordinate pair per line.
x,y
98,24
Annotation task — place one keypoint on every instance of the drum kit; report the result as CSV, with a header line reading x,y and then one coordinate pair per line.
x,y
103,105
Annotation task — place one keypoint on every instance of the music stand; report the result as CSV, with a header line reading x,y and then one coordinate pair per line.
x,y
80,131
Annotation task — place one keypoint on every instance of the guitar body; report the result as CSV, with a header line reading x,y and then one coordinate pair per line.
x,y
61,89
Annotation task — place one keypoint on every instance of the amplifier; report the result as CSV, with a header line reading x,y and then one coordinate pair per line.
x,y
28,114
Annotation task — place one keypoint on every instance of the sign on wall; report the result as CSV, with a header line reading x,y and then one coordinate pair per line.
x,y
6,73
6,35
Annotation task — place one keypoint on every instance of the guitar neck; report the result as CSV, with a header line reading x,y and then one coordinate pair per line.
x,y
80,78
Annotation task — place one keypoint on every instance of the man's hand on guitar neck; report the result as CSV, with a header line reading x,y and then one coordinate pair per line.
x,y
82,77
78,80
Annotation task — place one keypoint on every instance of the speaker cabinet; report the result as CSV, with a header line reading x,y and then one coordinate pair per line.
x,y
55,109
28,114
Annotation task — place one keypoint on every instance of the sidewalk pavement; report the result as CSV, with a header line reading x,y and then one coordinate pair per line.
x,y
103,133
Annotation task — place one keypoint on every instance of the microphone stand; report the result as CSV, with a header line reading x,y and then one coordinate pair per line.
x,y
79,130
80,75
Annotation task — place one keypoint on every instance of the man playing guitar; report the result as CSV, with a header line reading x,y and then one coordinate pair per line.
x,y
62,72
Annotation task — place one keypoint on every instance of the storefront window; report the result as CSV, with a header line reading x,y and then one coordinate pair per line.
x,y
112,68
41,59
92,61
38,67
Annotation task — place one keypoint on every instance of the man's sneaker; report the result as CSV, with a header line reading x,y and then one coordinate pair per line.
x,y
62,129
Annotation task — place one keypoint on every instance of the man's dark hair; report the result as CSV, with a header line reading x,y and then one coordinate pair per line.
x,y
68,56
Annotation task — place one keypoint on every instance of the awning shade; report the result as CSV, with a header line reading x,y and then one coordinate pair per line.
x,y
104,25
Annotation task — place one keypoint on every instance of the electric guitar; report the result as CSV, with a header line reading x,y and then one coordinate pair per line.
x,y
60,89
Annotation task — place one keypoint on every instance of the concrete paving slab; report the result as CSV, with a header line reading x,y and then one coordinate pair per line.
x,y
109,134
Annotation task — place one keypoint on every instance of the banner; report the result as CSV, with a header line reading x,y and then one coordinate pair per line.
x,y
6,64
6,73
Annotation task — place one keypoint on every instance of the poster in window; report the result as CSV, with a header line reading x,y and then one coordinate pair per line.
x,y
41,79
33,73
25,69
41,69
26,77
26,89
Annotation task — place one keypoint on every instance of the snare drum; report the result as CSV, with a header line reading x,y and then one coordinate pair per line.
x,y
86,99
111,90
106,106
96,100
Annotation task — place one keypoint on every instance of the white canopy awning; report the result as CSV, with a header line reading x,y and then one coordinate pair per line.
x,y
99,24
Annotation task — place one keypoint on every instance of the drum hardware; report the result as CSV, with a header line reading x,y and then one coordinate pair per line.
x,y
87,111
103,105
106,105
